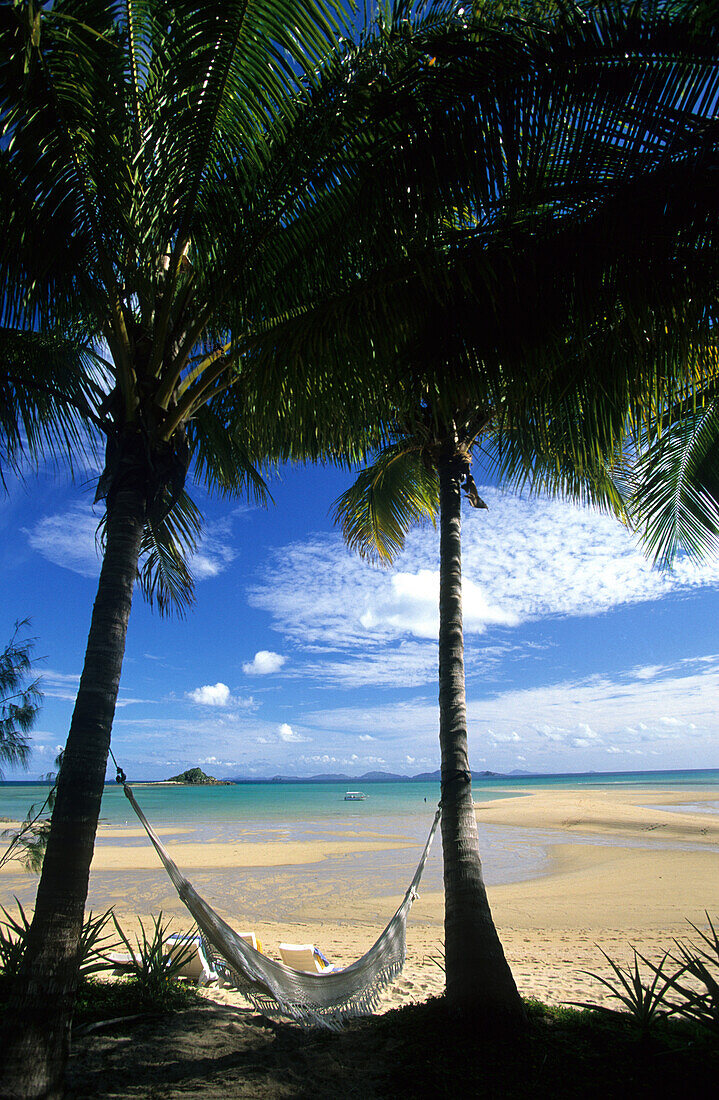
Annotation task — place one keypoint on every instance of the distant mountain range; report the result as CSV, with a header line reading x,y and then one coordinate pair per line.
x,y
370,777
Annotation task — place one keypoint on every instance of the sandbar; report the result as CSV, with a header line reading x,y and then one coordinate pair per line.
x,y
620,871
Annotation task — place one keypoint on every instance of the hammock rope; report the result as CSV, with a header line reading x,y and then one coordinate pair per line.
x,y
322,1000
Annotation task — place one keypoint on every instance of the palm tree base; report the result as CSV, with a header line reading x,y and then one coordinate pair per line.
x,y
34,1060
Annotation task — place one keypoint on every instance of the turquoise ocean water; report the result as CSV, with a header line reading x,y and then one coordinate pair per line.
x,y
315,811
256,803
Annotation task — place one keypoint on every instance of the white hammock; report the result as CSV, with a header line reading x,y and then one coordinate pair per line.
x,y
324,1000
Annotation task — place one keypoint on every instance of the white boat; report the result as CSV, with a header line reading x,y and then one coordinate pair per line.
x,y
354,796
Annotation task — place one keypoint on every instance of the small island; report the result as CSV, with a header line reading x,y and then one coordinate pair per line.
x,y
195,777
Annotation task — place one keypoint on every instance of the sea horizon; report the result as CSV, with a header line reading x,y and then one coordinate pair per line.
x,y
300,803
514,776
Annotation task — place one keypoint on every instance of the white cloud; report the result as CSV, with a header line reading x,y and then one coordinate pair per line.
x,y
411,606
523,560
68,539
263,663
366,737
286,733
211,695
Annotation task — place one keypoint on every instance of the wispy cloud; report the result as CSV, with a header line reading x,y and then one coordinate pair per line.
x,y
557,725
571,724
64,685
523,560
69,539
215,552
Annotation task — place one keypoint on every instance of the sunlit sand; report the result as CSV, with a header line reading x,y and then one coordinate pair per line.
x,y
623,868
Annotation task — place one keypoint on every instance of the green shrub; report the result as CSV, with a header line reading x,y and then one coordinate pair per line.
x,y
648,998
152,966
701,961
98,999
95,942
645,1003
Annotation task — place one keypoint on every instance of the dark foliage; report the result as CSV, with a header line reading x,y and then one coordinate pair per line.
x,y
416,1051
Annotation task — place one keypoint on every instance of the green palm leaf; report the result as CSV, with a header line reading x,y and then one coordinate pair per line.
x,y
167,544
675,490
50,387
393,494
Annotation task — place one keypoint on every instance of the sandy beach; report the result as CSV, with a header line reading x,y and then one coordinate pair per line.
x,y
623,868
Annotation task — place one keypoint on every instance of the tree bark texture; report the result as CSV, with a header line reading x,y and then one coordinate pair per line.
x,y
478,976
35,1045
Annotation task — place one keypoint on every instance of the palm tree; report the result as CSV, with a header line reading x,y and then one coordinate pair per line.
x,y
181,186
539,350
415,479
177,181
420,477
164,167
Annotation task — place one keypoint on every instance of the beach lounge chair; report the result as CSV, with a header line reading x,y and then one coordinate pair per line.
x,y
305,956
121,960
251,938
196,966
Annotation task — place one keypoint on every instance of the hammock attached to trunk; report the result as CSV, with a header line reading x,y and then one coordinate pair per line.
x,y
324,1000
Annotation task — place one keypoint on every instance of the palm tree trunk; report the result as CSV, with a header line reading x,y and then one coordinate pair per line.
x,y
478,976
36,1040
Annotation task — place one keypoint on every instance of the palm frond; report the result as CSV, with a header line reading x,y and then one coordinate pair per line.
x,y
397,491
50,389
165,554
675,488
226,452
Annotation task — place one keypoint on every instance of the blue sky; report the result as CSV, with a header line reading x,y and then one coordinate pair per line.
x,y
299,658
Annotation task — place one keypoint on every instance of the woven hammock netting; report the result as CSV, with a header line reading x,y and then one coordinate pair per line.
x,y
323,1000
